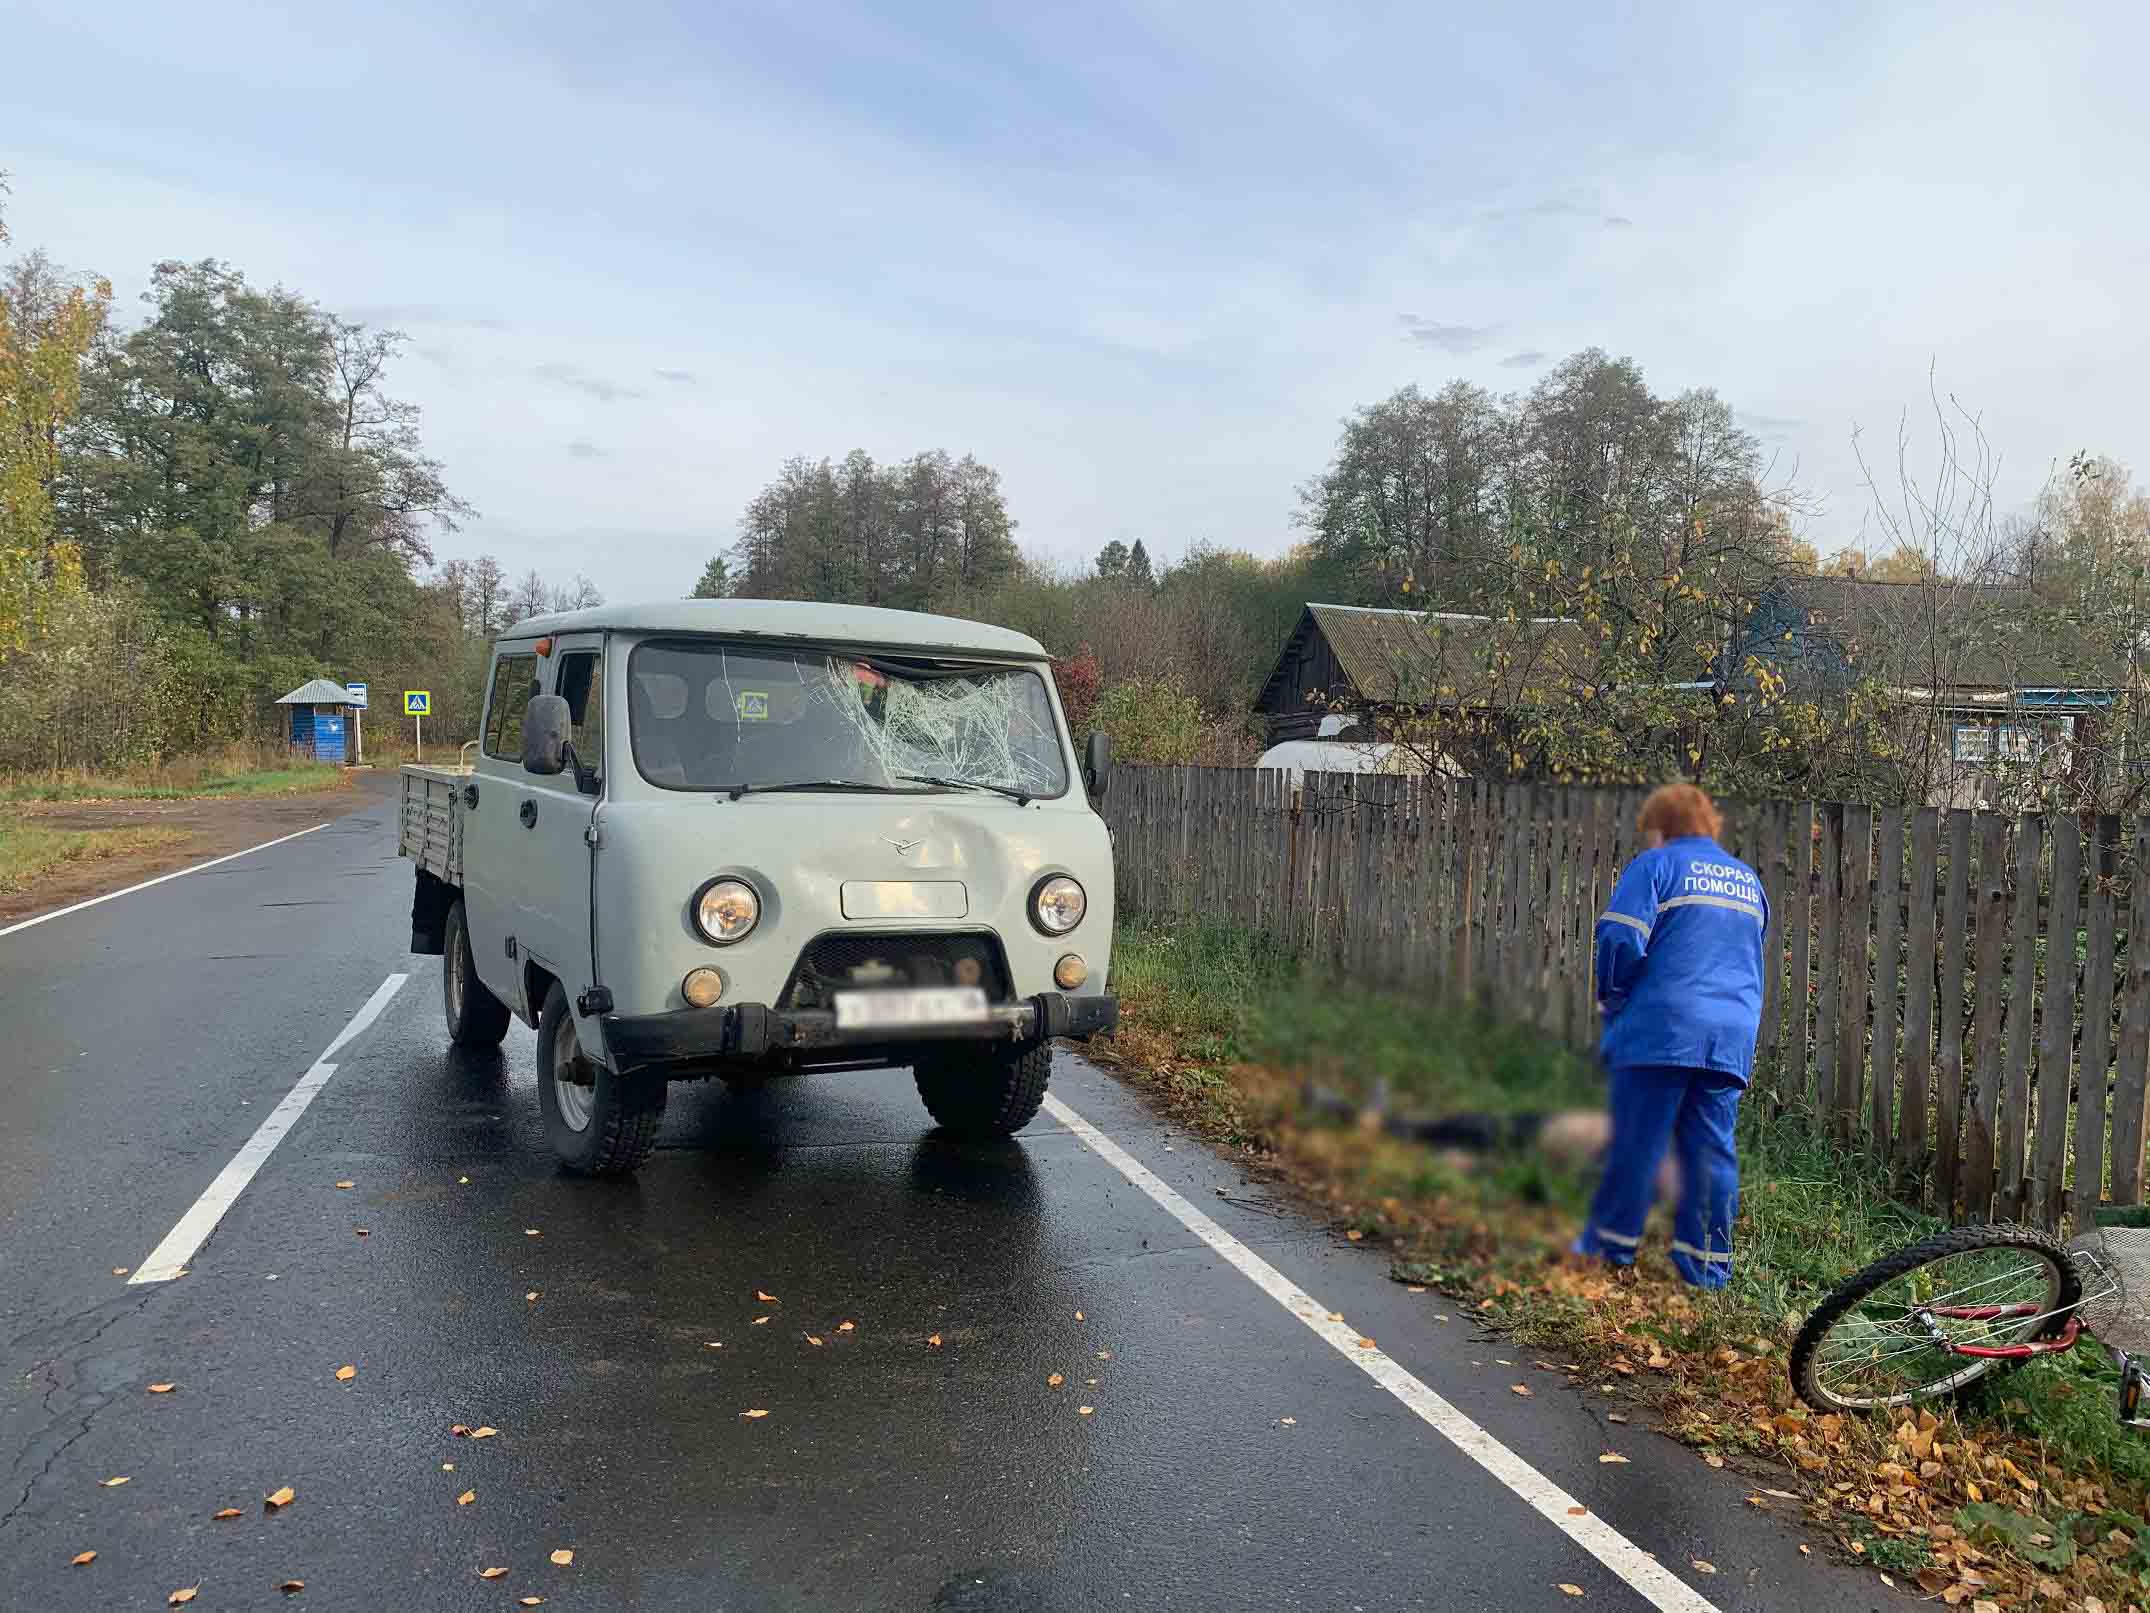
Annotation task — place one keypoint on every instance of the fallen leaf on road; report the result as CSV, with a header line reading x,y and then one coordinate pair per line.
x,y
766,1299
530,1601
529,1232
1702,1567
1522,1389
466,1498
459,1430
1417,1290
292,1587
1570,1590
1781,1495
1084,1411
1984,1606
182,1598
533,1294
1714,1459
346,1374
113,1483
491,1573
225,1512
280,1498
1092,1382
486,1432
363,1231
846,1327
1888,1582
1659,1359
1612,1456
751,1415
715,1344
814,1341
1616,1418
82,1559
1336,1316
1806,1551
1366,1344
347,1184
447,1467
563,1557
1354,1235
119,1271
1289,1422
1078,1316
935,1341
1055,1381
162,1388
462,1181
1104,1355
759,1320
1577,1512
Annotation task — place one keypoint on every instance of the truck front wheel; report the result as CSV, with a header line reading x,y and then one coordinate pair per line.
x,y
598,1121
476,1018
988,1091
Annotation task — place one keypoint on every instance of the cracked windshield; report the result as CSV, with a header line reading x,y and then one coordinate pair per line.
x,y
709,717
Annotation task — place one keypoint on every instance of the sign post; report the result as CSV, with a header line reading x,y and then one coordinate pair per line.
x,y
416,703
358,719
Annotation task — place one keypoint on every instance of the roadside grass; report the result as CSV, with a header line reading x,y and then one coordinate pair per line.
x,y
237,771
2028,1494
28,852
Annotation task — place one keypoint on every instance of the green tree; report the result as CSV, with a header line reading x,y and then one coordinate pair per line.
x,y
1152,721
1112,562
716,582
1139,574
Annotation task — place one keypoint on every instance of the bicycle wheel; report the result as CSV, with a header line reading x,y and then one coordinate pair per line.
x,y
1881,1337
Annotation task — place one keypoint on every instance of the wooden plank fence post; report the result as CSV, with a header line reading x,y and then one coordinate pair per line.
x,y
1888,975
1949,1077
2093,1084
2012,1125
2131,1086
2044,1195
1799,915
1770,865
1829,867
1984,1084
1909,1152
1855,921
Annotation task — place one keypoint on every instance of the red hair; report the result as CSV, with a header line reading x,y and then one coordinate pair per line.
x,y
1677,811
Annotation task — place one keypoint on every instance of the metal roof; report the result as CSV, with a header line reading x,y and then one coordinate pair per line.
x,y
802,621
320,692
1411,657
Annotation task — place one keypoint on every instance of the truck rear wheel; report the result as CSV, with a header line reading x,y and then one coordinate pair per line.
x,y
476,1018
598,1121
989,1091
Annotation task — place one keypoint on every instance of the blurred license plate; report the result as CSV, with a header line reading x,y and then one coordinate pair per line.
x,y
882,1010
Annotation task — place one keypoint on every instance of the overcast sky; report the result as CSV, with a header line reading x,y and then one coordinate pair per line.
x,y
1141,259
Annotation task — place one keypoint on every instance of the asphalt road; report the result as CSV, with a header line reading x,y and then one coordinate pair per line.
x,y
1231,1458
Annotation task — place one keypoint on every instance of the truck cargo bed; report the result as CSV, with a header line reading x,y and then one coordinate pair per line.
x,y
431,834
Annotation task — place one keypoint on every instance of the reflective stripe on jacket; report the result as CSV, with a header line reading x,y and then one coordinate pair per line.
x,y
1679,961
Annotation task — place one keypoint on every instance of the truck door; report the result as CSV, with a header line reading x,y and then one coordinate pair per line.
x,y
493,835
553,898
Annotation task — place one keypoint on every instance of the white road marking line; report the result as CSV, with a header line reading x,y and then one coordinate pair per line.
x,y
177,873
1649,1578
170,1257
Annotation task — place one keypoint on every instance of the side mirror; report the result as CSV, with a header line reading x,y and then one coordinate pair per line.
x,y
545,735
1097,765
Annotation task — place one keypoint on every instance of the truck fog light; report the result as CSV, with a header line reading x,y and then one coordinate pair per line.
x,y
1071,973
702,987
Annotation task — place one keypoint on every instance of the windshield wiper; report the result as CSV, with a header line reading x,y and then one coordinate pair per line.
x,y
1018,796
735,791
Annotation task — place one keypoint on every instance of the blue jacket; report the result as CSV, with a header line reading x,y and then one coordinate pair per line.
x,y
1679,961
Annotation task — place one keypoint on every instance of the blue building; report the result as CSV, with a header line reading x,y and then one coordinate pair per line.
x,y
320,719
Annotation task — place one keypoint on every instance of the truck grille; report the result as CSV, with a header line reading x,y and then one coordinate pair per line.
x,y
849,961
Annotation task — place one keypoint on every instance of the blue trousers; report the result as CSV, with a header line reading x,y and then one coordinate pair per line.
x,y
1693,1112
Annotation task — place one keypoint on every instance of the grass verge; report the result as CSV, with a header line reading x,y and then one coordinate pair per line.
x,y
28,852
239,771
2028,1495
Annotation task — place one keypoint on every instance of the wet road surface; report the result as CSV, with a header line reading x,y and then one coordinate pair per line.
x,y
1230,1458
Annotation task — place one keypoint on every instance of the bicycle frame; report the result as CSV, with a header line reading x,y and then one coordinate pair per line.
x,y
2064,1340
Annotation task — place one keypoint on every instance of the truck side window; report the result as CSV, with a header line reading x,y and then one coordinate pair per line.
x,y
582,686
514,681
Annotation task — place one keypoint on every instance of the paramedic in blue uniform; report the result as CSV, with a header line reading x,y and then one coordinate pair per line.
x,y
1679,982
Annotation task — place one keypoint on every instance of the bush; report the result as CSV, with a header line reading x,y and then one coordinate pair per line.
x,y
1152,720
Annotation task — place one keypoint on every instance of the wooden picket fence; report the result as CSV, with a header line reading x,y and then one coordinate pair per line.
x,y
1953,990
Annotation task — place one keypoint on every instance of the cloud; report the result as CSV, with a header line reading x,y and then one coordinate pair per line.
x,y
677,377
1559,207
575,380
1448,338
583,448
1771,425
1529,359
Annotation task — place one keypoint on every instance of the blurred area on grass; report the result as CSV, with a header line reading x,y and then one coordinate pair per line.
x,y
246,769
28,851
1225,1030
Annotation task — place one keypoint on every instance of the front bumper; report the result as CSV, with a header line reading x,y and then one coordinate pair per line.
x,y
756,1032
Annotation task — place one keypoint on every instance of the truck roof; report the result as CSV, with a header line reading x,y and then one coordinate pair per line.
x,y
802,620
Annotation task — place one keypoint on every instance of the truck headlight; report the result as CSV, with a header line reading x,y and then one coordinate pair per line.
x,y
726,910
1057,905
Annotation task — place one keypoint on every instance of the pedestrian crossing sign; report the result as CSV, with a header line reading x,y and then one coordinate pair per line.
x,y
418,702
